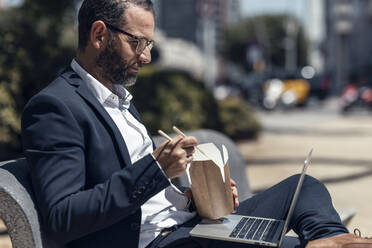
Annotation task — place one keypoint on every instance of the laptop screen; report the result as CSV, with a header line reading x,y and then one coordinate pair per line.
x,y
295,196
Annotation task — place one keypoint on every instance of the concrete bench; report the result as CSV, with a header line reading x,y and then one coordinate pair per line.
x,y
17,208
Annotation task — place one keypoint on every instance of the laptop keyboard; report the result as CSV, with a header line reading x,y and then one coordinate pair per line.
x,y
255,229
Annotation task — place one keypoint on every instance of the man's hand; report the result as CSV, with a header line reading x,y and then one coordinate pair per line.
x,y
173,156
234,193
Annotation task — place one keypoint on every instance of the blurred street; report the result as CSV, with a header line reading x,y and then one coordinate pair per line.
x,y
342,157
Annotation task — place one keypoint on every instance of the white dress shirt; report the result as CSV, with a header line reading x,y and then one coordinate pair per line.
x,y
168,207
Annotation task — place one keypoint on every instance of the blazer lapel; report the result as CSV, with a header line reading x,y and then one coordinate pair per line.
x,y
85,93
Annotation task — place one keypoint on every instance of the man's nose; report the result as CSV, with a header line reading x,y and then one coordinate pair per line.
x,y
145,56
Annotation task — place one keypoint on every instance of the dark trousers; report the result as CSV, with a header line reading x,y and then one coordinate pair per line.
x,y
314,216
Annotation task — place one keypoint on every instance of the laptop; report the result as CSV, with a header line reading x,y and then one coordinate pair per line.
x,y
250,229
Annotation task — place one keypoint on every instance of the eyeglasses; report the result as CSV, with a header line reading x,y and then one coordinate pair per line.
x,y
142,42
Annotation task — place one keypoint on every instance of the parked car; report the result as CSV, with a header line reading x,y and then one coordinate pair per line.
x,y
286,92
319,86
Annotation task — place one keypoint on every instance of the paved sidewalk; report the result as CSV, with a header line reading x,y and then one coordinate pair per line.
x,y
342,157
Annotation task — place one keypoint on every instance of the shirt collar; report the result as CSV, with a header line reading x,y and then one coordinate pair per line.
x,y
119,97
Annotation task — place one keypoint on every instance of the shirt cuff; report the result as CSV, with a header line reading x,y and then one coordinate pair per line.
x,y
161,168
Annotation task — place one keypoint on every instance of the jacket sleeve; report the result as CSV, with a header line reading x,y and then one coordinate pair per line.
x,y
54,146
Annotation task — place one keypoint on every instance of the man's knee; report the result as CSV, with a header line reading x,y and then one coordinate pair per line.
x,y
308,180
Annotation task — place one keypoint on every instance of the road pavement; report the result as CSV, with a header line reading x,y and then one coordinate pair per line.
x,y
342,156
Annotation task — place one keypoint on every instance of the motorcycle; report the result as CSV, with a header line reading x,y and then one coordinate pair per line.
x,y
356,97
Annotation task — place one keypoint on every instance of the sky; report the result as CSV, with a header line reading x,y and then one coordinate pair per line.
x,y
9,3
256,7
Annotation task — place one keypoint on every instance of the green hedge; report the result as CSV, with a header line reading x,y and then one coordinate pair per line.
x,y
238,119
167,98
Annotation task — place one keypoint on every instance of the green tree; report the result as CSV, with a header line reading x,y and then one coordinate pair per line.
x,y
167,98
267,32
36,41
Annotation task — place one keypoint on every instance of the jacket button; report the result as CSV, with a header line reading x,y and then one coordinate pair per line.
x,y
135,194
134,226
141,189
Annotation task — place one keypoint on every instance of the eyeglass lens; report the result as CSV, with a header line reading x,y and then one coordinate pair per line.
x,y
142,44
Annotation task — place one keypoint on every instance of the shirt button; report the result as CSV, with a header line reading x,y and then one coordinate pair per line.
x,y
134,226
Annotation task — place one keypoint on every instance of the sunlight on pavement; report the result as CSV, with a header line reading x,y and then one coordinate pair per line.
x,y
342,158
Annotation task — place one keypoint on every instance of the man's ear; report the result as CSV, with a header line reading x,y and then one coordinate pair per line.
x,y
98,34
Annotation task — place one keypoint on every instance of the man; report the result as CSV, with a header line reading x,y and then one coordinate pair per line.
x,y
98,182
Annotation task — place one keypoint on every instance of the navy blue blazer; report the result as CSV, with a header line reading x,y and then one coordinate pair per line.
x,y
87,191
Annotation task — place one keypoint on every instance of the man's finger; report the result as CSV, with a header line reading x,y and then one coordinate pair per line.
x,y
176,140
233,183
234,190
189,159
236,202
190,151
188,141
188,193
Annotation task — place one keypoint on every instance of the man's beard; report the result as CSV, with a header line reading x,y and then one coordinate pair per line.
x,y
113,68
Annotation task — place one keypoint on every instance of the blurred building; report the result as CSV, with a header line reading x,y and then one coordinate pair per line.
x,y
177,18
347,47
184,18
314,23
179,54
201,22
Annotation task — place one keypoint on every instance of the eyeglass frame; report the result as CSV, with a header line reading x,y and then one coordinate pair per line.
x,y
149,43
